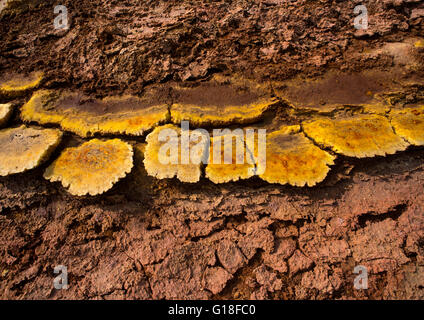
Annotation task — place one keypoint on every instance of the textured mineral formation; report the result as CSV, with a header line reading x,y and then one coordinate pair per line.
x,y
25,148
336,90
5,113
161,239
293,159
419,44
92,168
360,136
219,103
168,154
113,115
409,124
229,159
12,86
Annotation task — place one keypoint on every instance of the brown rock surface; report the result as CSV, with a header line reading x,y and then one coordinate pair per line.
x,y
121,247
162,239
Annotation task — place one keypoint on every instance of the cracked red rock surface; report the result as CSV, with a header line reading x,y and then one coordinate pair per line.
x,y
133,250
154,239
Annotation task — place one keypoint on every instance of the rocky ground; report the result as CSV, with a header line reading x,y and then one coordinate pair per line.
x,y
162,239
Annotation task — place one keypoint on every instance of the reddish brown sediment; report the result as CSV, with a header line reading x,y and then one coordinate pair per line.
x,y
214,94
148,238
373,219
70,101
336,90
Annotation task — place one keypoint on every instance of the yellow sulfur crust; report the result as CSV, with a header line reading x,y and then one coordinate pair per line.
x,y
92,168
5,113
220,172
20,85
358,136
293,159
25,148
409,124
189,172
377,108
44,109
419,44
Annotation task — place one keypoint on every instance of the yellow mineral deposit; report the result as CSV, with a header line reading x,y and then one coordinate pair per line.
x,y
360,136
419,44
93,167
377,108
113,115
25,148
220,103
229,159
5,113
409,124
165,157
12,86
293,159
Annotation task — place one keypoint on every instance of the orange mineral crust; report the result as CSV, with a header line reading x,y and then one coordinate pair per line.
x,y
409,124
93,167
114,115
229,159
12,86
25,148
360,136
165,155
292,159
